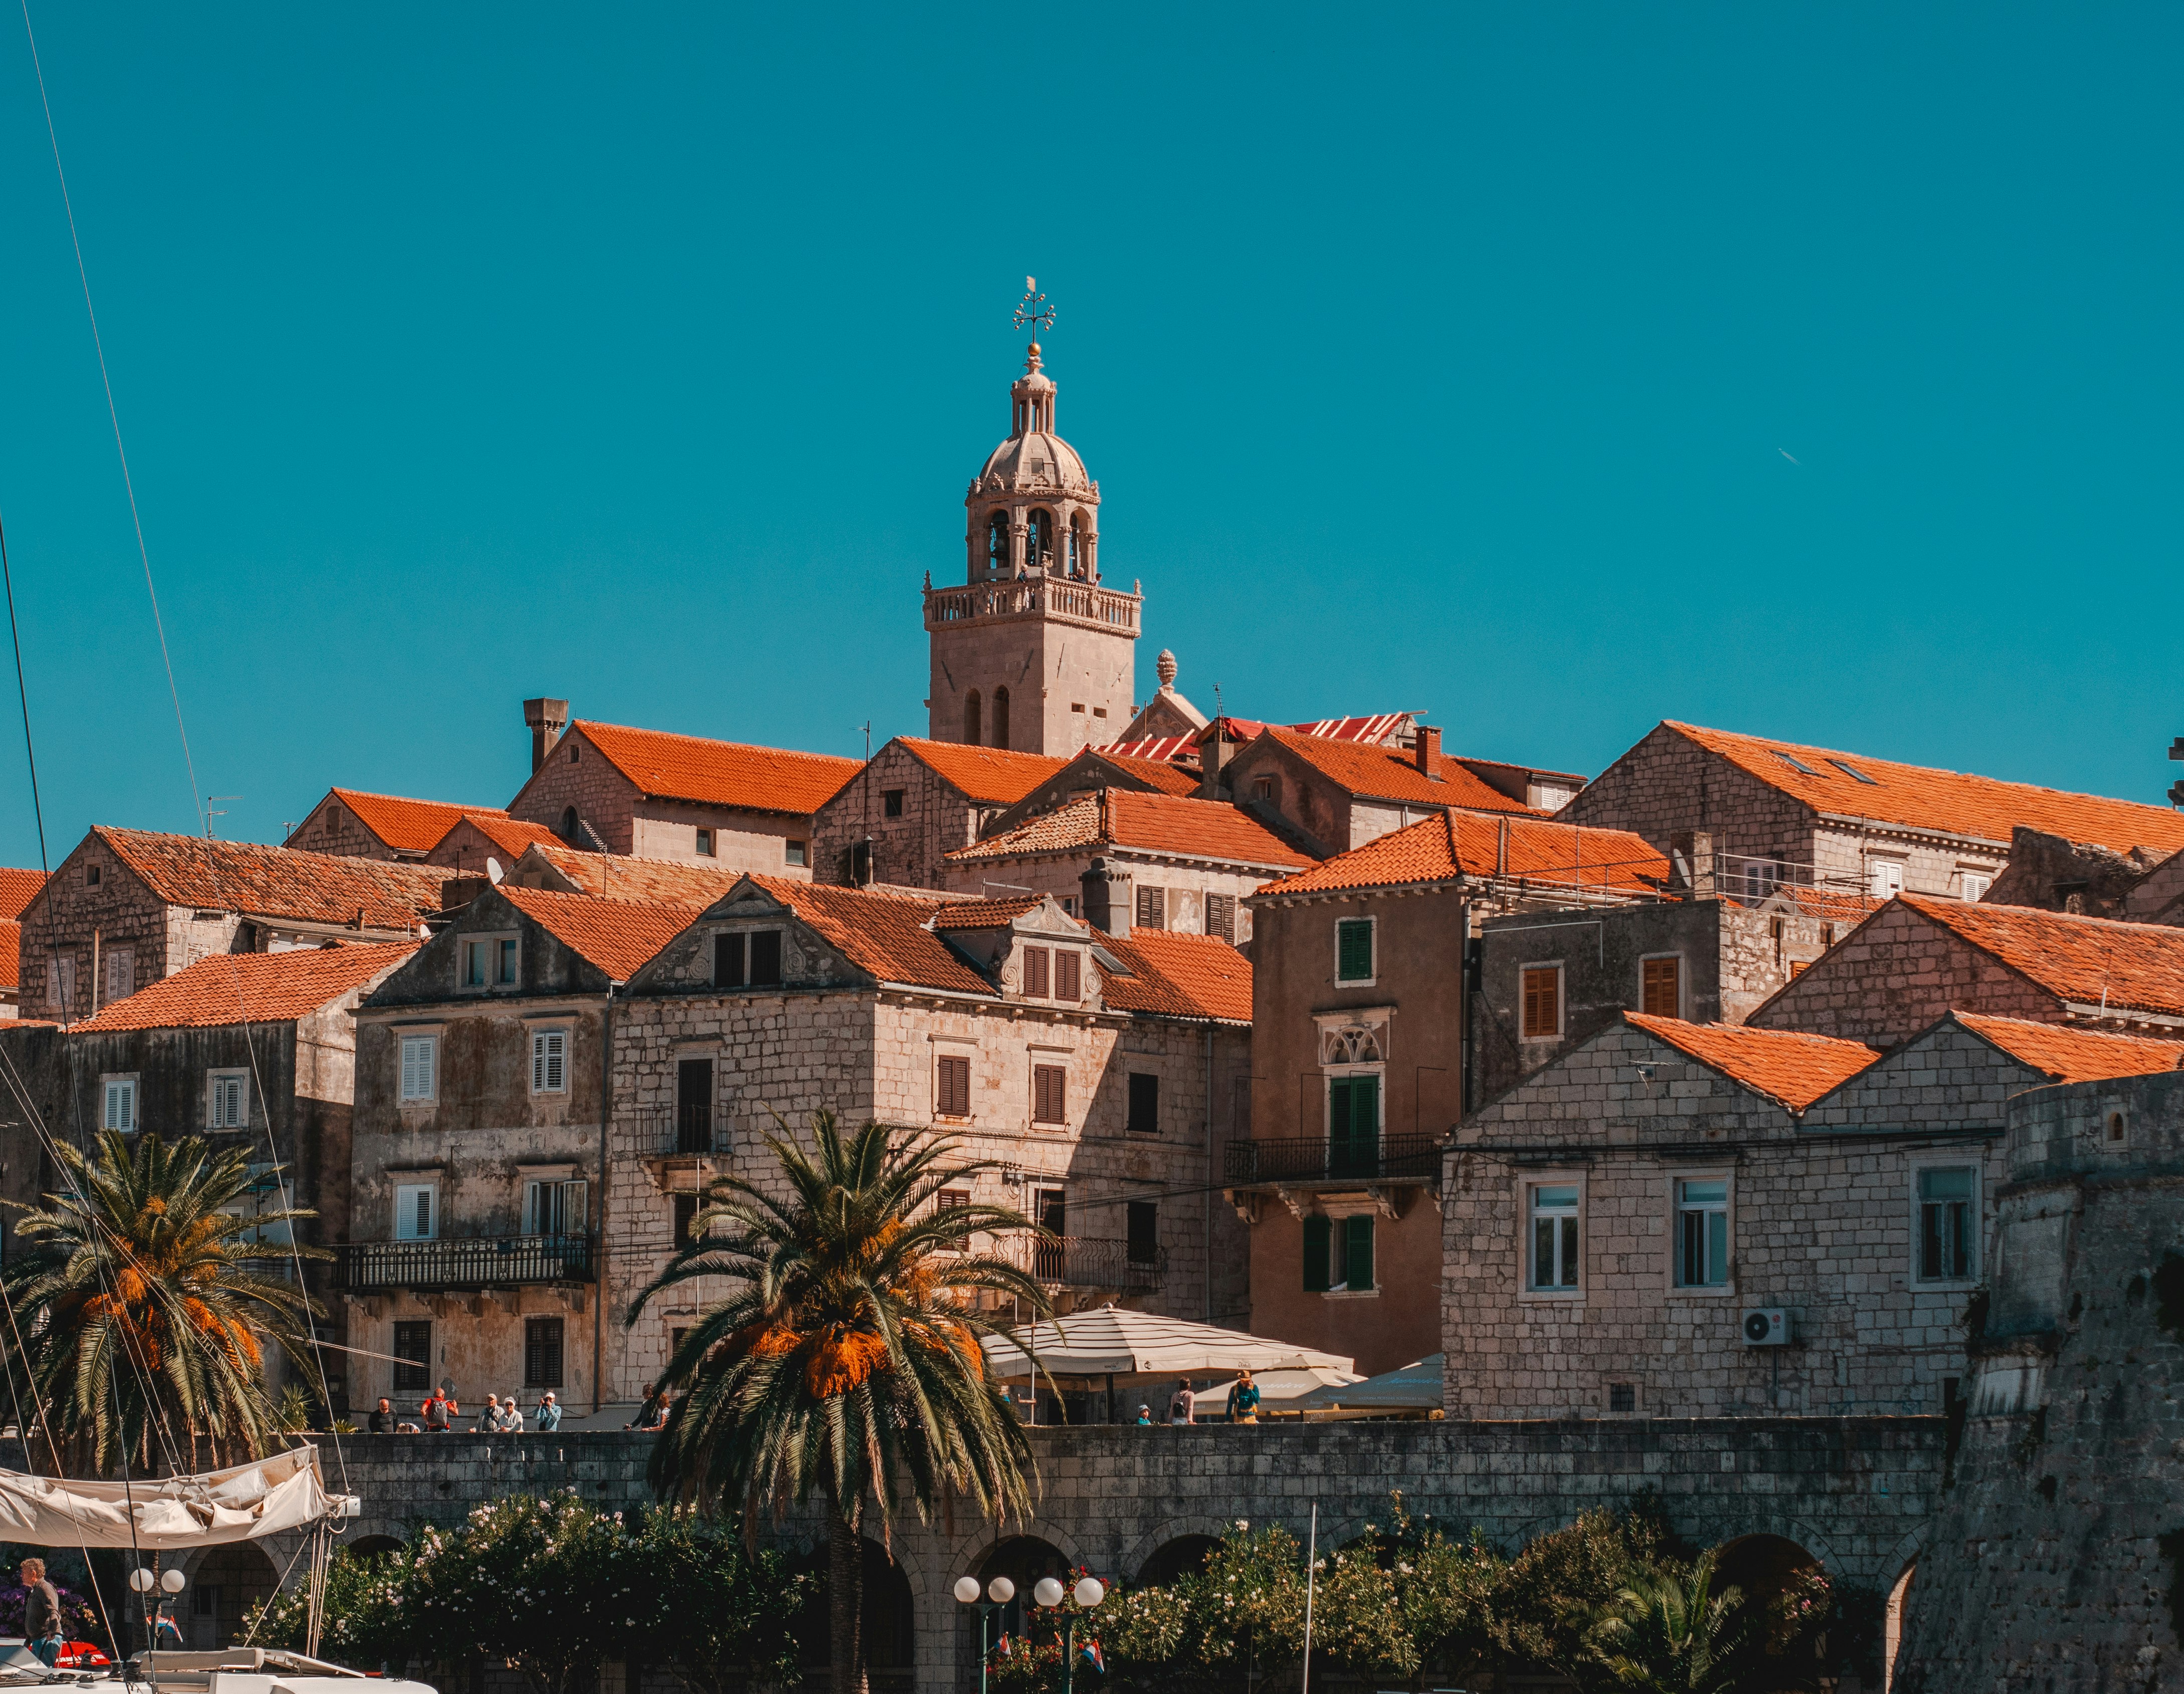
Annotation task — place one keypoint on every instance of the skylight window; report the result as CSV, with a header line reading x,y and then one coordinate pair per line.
x,y
1853,773
1796,764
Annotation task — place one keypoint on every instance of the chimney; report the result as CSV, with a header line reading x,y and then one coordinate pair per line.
x,y
545,720
1099,883
1213,760
1426,748
1690,852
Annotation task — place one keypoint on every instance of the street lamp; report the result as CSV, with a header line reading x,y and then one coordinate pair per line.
x,y
144,1581
1088,1593
999,1592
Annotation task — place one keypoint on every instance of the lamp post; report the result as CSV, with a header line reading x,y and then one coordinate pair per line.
x,y
144,1579
999,1592
1089,1593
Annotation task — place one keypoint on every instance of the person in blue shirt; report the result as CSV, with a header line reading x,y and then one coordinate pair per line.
x,y
549,1413
1243,1399
1145,1415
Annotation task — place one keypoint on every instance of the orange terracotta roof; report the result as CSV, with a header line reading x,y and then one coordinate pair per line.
x,y
11,953
1168,778
1795,1069
2072,1054
690,767
277,882
1945,801
1178,976
407,826
18,888
1454,844
618,876
984,914
1152,823
250,988
2092,960
885,935
1828,903
988,775
1389,773
512,835
618,935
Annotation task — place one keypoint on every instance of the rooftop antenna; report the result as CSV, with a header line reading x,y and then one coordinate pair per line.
x,y
211,814
1033,311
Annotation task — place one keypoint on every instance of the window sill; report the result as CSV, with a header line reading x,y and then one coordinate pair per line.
x,y
1356,981
1351,1293
1950,1285
1724,1291
1553,1296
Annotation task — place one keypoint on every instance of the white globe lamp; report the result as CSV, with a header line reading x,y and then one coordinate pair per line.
x,y
1089,1592
1047,1592
967,1590
143,1580
171,1581
1000,1590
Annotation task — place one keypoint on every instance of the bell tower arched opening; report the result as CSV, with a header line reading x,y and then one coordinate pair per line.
x,y
973,731
1001,717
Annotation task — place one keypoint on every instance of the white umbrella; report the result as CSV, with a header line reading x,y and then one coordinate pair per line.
x,y
1112,1341
1415,1387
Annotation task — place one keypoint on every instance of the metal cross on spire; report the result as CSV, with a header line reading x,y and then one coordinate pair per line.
x,y
1033,311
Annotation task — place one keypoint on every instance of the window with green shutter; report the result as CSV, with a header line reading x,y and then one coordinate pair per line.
x,y
1353,949
1357,1254
1317,1244
1353,1126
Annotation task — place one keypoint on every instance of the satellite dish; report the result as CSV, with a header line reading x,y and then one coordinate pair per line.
x,y
493,873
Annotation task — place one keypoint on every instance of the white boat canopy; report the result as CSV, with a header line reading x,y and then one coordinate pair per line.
x,y
243,1503
1111,1341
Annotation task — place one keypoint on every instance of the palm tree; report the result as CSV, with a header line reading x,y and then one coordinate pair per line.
x,y
1667,1632
847,1352
139,1313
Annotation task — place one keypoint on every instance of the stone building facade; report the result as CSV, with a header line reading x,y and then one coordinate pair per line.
x,y
613,789
893,823
353,824
1098,1098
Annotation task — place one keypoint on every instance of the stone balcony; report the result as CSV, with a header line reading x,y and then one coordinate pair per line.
x,y
464,1264
1051,597
1301,1170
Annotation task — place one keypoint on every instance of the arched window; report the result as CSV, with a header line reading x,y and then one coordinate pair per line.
x,y
1077,548
1001,717
569,825
997,544
1039,545
971,727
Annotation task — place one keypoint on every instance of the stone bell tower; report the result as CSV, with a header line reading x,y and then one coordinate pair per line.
x,y
1032,653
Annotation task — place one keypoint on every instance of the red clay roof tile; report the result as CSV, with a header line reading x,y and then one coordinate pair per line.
x,y
2092,960
988,775
1949,801
1453,845
1178,976
250,988
984,914
1168,778
1793,1069
1152,823
18,888
407,826
886,935
277,882
11,953
618,935
690,767
1389,773
512,835
619,876
2071,1055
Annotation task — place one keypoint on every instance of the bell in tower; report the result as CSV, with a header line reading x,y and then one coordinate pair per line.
x,y
1032,654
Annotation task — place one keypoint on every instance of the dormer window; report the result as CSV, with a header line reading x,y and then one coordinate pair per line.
x,y
749,959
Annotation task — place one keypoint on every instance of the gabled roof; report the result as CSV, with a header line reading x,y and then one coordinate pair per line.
x,y
2090,961
1178,976
1375,728
1152,823
18,888
2072,1054
886,936
1456,844
1168,778
988,775
11,953
1791,1068
1155,750
512,835
1947,801
407,826
690,767
277,882
618,876
250,988
616,935
985,914
1388,773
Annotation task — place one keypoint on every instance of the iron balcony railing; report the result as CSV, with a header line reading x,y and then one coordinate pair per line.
x,y
1315,1158
691,1130
1089,1260
464,1263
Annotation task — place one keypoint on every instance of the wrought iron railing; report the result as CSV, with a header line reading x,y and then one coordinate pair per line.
x,y
1315,1158
691,1130
1089,1260
463,1262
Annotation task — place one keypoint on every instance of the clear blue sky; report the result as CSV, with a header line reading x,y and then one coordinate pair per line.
x,y
1445,360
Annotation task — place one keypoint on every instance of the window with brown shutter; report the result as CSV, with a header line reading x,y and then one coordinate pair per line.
x,y
1662,988
1034,974
1152,908
1221,917
952,1087
949,1198
1049,1092
1542,1001
1068,975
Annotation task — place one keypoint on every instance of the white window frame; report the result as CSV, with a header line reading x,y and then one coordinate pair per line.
x,y
1683,982
1888,871
1920,1167
493,942
428,1044
1967,878
219,1086
1562,997
1523,1183
550,1060
1725,1288
405,1210
120,1100
574,1199
1372,931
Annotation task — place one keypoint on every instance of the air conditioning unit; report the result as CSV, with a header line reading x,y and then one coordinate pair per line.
x,y
1766,1326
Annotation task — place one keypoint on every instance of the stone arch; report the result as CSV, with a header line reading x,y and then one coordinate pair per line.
x,y
1038,542
997,542
1795,1530
1899,1568
368,1546
220,1585
1173,1529
891,1613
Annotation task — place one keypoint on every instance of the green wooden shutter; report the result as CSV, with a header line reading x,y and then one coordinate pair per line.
x,y
1317,1235
1357,1253
1365,1125
1354,949
1339,1109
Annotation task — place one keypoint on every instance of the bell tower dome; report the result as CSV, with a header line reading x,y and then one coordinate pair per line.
x,y
1032,653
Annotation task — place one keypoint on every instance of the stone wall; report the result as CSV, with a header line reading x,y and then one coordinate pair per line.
x,y
334,828
1184,884
2048,1569
935,819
